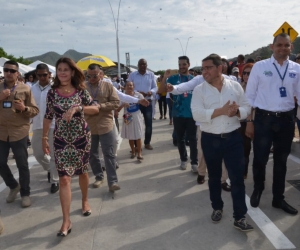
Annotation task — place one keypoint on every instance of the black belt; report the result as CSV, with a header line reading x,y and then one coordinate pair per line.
x,y
223,135
277,114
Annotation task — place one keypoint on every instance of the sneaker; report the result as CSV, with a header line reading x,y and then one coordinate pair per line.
x,y
97,183
13,194
194,168
26,202
114,187
216,216
242,225
54,188
183,165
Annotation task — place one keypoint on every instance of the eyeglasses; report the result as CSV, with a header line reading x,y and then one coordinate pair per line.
x,y
92,76
246,73
41,75
10,70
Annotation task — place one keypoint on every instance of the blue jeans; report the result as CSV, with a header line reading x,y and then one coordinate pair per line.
x,y
215,149
107,144
270,129
147,113
182,125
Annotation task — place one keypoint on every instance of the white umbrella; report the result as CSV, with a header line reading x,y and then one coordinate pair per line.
x,y
1,71
51,68
22,67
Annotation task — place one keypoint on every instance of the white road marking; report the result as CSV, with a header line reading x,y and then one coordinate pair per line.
x,y
271,231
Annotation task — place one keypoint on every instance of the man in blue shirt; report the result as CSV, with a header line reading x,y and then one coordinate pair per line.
x,y
182,114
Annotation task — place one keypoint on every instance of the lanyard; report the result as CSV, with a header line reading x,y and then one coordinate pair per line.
x,y
281,77
12,89
180,78
43,88
94,94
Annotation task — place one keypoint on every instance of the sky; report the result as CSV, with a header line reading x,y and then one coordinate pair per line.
x,y
147,29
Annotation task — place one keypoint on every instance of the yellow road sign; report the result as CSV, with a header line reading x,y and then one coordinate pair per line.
x,y
288,29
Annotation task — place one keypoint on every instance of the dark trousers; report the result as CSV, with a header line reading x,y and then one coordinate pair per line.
x,y
247,145
182,125
147,113
270,129
170,106
107,145
162,103
19,149
215,149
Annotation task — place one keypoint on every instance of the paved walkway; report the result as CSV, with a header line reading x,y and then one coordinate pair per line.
x,y
158,207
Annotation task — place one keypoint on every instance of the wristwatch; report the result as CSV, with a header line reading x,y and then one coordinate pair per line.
x,y
25,110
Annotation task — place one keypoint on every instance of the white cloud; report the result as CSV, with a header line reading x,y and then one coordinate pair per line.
x,y
147,29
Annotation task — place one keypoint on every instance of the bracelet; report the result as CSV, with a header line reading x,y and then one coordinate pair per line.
x,y
45,137
249,120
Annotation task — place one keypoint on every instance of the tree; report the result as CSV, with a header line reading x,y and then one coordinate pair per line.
x,y
21,59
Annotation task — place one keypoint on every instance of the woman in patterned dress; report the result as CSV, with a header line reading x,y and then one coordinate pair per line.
x,y
67,102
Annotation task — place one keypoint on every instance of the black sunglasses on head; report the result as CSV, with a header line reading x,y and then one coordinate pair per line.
x,y
10,70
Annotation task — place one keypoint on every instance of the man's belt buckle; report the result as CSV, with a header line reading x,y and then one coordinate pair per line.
x,y
224,135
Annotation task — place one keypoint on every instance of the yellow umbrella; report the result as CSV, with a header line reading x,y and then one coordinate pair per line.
x,y
103,61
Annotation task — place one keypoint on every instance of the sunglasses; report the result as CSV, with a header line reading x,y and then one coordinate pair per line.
x,y
297,58
10,70
246,73
41,75
92,76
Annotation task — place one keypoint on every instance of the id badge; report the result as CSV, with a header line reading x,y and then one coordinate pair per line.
x,y
282,91
185,95
7,104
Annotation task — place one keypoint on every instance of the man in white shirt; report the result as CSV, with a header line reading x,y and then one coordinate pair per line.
x,y
271,88
144,82
39,92
218,104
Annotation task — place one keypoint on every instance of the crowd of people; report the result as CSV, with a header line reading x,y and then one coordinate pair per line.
x,y
218,113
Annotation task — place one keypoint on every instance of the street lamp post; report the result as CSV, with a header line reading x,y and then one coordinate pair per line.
x,y
117,35
185,46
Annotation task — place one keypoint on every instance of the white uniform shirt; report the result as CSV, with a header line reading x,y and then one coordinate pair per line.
x,y
264,83
190,85
144,83
40,96
207,98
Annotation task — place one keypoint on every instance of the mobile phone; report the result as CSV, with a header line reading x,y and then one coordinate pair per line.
x,y
16,99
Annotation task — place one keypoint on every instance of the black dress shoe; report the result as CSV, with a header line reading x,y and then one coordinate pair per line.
x,y
226,187
200,179
285,207
54,188
255,198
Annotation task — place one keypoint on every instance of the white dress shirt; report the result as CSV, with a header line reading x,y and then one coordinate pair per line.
x,y
144,83
264,83
207,98
190,85
40,96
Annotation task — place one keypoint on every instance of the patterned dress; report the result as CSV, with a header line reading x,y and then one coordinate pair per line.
x,y
72,141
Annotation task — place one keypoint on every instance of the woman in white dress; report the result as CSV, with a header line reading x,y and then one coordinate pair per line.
x,y
133,123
